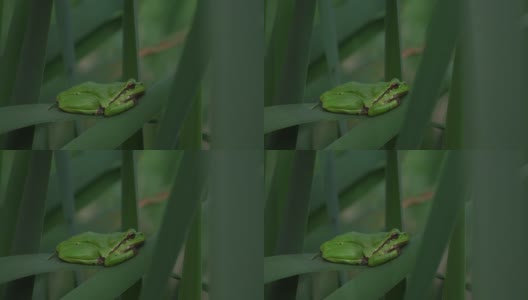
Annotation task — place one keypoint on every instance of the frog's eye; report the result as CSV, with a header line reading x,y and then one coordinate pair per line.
x,y
394,236
394,85
131,85
131,235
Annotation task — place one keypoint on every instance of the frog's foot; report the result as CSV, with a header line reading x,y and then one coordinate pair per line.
x,y
54,254
317,255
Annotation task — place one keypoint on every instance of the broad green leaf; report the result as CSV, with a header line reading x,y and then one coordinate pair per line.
x,y
19,266
448,202
283,116
373,132
34,114
440,43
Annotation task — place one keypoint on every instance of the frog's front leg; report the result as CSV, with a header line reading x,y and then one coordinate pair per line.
x,y
117,258
116,109
379,259
382,108
86,105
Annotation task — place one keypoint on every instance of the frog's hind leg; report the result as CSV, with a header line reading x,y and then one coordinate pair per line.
x,y
82,253
84,112
379,259
346,253
351,106
86,105
356,109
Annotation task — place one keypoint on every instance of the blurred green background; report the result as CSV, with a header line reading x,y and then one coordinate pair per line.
x,y
451,203
360,28
192,206
105,42
439,47
95,178
188,53
359,181
163,26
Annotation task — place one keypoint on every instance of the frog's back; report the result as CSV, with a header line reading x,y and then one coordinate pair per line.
x,y
365,240
359,86
353,95
99,240
99,90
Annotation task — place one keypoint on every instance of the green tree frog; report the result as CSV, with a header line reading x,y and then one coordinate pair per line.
x,y
364,98
92,248
364,249
101,99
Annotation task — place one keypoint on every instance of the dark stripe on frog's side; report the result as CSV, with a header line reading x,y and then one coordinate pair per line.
x,y
101,110
394,236
365,109
392,87
117,96
128,237
135,97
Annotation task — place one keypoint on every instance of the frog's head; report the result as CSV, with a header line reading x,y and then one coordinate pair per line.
x,y
395,240
133,239
398,87
390,97
395,90
133,90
